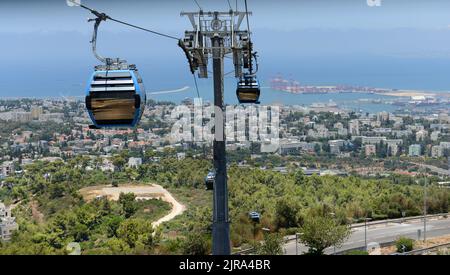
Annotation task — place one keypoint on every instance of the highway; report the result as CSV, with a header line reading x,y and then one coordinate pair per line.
x,y
382,233
435,169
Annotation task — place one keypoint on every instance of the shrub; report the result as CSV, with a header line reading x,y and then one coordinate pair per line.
x,y
196,244
404,244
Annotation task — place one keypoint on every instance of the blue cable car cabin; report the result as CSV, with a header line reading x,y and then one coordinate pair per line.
x,y
115,98
248,90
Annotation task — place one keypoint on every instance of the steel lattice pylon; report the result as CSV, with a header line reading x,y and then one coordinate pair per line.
x,y
215,35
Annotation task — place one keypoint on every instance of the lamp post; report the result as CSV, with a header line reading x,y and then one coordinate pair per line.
x,y
425,211
425,189
332,214
297,235
365,231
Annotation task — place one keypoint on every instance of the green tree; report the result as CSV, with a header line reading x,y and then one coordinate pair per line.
x,y
287,213
299,176
112,224
129,205
118,247
136,233
321,232
119,162
195,244
272,245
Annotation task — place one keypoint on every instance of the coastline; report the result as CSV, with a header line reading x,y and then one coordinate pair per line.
x,y
407,93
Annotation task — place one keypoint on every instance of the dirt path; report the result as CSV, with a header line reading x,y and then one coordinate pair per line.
x,y
142,192
37,215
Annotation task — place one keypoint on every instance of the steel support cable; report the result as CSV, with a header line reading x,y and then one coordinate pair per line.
x,y
229,4
196,85
198,5
248,20
250,45
104,17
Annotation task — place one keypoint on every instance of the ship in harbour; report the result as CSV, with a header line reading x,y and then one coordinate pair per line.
x,y
278,83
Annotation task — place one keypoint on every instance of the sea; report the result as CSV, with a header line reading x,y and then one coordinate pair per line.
x,y
62,81
363,102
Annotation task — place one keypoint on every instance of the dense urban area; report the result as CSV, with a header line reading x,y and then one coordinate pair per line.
x,y
335,165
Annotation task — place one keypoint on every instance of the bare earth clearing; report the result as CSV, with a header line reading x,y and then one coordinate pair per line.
x,y
142,192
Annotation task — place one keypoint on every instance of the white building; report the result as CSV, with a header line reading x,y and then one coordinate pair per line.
x,y
320,131
435,135
341,131
7,223
336,145
445,145
21,116
383,116
56,117
415,150
7,168
421,135
402,133
373,140
382,131
134,162
335,149
353,127
36,111
394,141
291,148
437,151
398,122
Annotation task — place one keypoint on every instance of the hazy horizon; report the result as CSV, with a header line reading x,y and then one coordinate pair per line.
x,y
401,44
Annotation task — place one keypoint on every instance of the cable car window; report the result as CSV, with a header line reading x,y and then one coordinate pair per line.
x,y
112,107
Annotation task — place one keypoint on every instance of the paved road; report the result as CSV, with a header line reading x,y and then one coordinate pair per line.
x,y
383,233
435,169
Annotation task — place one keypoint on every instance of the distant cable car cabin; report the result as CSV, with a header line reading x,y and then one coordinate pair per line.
x,y
248,90
254,216
209,181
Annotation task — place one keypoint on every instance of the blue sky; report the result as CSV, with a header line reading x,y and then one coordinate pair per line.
x,y
284,15
401,44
